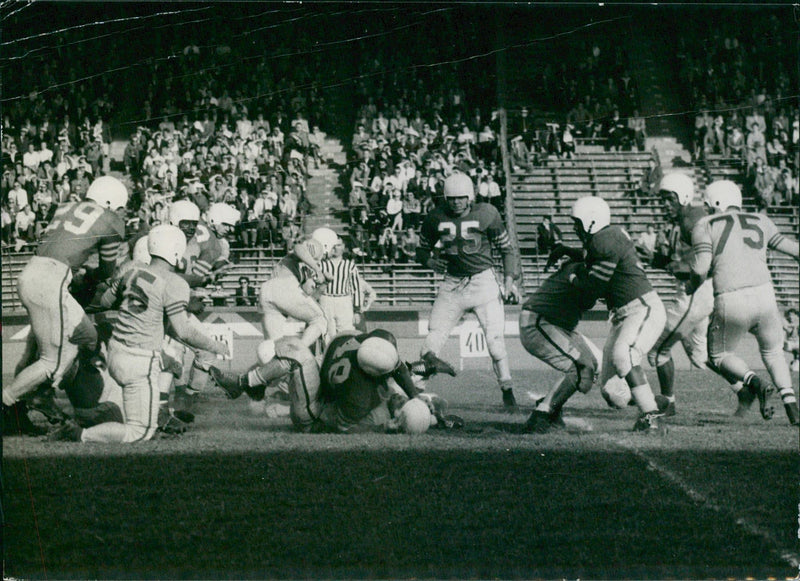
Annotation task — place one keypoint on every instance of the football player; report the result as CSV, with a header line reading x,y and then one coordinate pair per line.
x,y
288,291
147,296
456,239
59,325
186,216
547,324
731,247
350,392
612,270
687,315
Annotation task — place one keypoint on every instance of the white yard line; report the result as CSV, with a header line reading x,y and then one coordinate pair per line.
x,y
789,556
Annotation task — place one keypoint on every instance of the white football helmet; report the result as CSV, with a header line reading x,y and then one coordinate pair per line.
x,y
168,242
183,210
679,184
377,356
723,194
459,185
327,238
220,214
414,417
592,212
109,192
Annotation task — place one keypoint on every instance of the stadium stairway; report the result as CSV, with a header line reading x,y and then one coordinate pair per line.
x,y
324,191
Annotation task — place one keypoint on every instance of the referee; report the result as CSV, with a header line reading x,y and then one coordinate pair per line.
x,y
342,295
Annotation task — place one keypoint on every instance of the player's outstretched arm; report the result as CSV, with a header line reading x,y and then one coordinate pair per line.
x,y
192,335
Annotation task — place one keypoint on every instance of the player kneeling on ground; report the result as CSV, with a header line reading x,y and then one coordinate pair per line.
x,y
352,390
147,295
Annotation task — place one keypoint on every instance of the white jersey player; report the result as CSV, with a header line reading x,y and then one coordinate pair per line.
x,y
731,246
687,314
287,293
146,296
58,323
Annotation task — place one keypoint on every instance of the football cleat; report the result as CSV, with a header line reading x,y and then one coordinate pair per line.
x,y
44,402
449,422
434,365
762,391
648,422
169,423
17,423
509,401
665,406
792,413
69,431
231,383
541,422
745,398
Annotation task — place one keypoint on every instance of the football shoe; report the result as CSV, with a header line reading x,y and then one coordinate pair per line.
x,y
649,422
762,391
665,405
509,401
69,431
44,402
231,383
17,423
792,413
541,422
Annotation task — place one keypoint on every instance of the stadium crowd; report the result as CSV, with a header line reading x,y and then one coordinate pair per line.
x,y
741,80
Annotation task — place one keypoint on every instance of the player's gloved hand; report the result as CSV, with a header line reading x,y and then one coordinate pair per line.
x,y
196,305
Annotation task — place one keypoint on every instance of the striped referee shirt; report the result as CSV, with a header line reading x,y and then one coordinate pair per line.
x,y
344,280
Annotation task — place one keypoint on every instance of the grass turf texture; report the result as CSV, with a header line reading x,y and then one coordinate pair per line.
x,y
243,497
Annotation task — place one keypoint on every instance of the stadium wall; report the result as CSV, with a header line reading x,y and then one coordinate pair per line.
x,y
465,349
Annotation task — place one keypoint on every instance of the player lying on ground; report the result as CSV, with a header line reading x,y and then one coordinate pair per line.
x,y
351,391
730,246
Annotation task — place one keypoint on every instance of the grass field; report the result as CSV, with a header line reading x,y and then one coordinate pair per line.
x,y
242,497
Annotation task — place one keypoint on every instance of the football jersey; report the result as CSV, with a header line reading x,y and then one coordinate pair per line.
x,y
147,295
681,241
345,384
732,248
205,251
78,229
297,267
465,242
558,300
612,268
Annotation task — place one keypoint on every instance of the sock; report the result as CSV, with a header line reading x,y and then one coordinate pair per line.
x,y
644,398
558,395
787,395
666,378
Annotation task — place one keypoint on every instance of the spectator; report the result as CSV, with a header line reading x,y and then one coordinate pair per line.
x,y
245,294
756,145
648,186
547,235
25,227
489,191
408,243
791,343
762,184
6,225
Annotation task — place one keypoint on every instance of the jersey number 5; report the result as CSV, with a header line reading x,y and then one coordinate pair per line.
x,y
136,295
754,236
